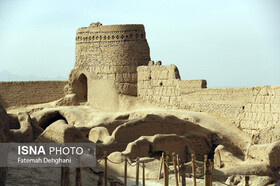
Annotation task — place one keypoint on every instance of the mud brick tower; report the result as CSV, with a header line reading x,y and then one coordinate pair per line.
x,y
106,61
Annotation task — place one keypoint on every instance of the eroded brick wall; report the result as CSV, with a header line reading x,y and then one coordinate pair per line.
x,y
226,102
250,109
162,86
20,93
262,110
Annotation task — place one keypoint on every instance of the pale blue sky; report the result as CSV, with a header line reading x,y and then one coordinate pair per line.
x,y
230,43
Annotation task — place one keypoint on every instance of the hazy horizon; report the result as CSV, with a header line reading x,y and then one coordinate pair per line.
x,y
231,43
7,76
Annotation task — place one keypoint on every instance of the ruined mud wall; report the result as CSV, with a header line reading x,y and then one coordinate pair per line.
x,y
249,108
262,110
162,85
226,102
20,93
157,83
111,52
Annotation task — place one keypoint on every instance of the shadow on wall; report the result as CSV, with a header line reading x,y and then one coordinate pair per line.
x,y
3,103
14,123
80,87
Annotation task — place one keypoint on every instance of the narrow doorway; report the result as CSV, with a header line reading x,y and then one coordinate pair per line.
x,y
82,88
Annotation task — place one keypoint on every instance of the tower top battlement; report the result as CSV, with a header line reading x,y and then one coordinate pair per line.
x,y
98,27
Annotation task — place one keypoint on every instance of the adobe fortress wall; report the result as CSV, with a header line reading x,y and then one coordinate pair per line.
x,y
22,93
249,108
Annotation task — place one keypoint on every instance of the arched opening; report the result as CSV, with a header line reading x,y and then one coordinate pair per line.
x,y
50,119
81,88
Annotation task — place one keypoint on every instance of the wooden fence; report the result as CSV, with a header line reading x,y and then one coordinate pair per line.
x,y
179,171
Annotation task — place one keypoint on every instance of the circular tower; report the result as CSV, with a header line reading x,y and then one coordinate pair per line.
x,y
110,52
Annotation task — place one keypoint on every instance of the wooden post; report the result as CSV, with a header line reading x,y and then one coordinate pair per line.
x,y
247,180
167,167
100,180
78,177
160,166
211,173
143,176
183,169
125,170
67,176
105,168
178,165
164,172
62,176
175,168
113,183
205,170
137,171
193,169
